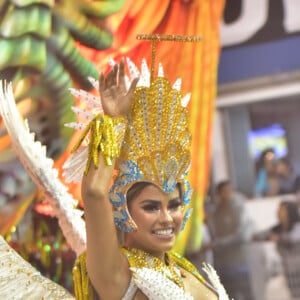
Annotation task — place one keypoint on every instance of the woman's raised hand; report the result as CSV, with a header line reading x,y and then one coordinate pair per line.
x,y
115,99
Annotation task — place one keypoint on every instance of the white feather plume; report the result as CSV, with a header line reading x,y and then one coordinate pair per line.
x,y
33,156
215,281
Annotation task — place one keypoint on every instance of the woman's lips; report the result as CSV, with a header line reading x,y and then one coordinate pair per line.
x,y
164,233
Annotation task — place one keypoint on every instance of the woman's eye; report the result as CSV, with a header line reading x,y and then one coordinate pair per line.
x,y
175,206
151,208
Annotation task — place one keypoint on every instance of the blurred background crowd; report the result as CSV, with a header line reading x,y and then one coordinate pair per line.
x,y
253,243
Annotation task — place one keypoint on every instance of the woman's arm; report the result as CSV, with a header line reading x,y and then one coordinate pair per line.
x,y
105,263
107,267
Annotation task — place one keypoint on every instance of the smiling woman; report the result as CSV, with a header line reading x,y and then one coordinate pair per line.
x,y
158,216
143,133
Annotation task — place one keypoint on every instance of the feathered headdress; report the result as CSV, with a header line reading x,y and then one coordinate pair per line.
x,y
157,140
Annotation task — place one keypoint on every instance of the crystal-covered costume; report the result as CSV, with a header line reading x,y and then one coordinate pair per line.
x,y
155,279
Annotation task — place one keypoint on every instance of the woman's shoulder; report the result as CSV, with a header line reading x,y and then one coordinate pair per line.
x,y
186,265
196,284
193,280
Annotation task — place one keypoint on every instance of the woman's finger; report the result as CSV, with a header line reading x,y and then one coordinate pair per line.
x,y
121,76
109,79
115,75
132,86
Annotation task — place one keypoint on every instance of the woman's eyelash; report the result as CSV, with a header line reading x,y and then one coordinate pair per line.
x,y
175,205
150,207
154,207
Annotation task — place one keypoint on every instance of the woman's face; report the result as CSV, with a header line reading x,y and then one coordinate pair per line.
x,y
158,216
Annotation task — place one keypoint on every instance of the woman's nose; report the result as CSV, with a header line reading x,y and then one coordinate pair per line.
x,y
165,215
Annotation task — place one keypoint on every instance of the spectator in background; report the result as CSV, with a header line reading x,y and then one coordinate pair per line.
x,y
273,185
287,230
286,177
231,230
286,234
297,191
266,178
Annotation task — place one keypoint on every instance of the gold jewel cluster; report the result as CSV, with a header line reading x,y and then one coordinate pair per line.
x,y
140,259
105,136
158,138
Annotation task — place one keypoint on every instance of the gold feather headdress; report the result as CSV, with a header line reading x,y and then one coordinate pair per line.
x,y
157,140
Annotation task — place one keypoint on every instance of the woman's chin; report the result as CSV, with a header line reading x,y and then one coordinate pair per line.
x,y
167,246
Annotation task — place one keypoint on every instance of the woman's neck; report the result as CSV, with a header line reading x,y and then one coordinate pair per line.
x,y
161,256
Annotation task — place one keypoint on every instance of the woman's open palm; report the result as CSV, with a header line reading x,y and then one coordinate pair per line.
x,y
115,98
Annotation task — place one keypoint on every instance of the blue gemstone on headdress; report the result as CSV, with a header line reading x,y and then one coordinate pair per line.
x,y
123,227
188,193
117,199
129,172
169,185
121,216
121,221
186,217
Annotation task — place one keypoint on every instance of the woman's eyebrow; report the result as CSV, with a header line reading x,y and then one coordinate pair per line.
x,y
158,202
175,199
150,201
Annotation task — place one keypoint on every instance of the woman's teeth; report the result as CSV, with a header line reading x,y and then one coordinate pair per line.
x,y
164,231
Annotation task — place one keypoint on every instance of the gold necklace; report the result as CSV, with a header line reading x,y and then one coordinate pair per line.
x,y
140,259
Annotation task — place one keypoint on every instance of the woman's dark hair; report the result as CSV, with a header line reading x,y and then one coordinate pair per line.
x,y
137,188
292,212
261,160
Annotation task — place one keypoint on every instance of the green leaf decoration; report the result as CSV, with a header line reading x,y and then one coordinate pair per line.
x,y
35,19
23,51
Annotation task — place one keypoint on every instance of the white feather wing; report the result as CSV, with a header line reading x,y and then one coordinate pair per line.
x,y
33,156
